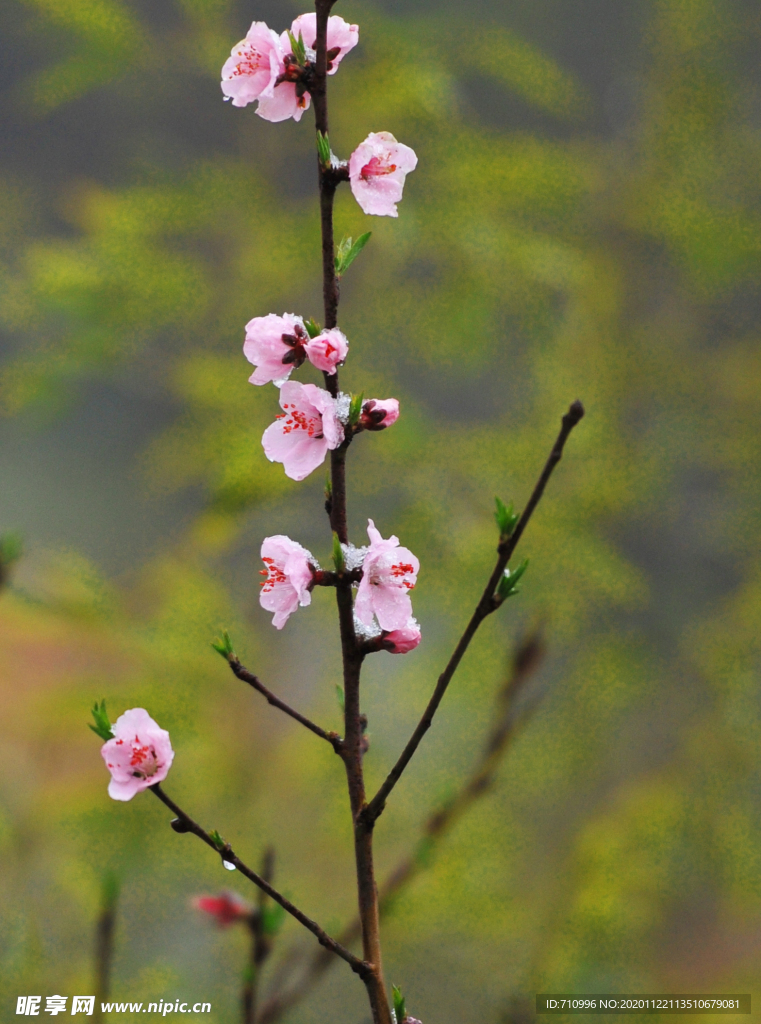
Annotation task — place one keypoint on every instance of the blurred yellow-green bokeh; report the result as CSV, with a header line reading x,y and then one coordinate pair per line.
x,y
584,222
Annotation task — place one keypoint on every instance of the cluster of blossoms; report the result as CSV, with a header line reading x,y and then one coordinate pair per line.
x,y
277,71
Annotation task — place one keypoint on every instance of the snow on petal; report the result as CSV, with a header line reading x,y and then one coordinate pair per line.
x,y
287,568
328,350
377,169
275,345
341,36
138,755
249,73
307,430
389,572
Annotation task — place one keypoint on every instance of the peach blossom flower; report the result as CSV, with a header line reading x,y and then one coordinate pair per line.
x,y
389,572
377,169
287,568
307,430
138,756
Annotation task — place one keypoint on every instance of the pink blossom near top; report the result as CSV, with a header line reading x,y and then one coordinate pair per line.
x,y
342,37
389,572
307,430
287,568
378,414
249,73
275,345
404,640
328,350
377,169
226,909
138,756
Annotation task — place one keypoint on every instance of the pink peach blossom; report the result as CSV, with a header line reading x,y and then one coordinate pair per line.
x,y
327,350
342,36
377,414
389,572
249,73
138,756
226,909
284,102
275,345
377,169
307,430
287,568
402,641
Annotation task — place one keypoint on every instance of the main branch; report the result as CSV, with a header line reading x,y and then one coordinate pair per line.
x,y
487,604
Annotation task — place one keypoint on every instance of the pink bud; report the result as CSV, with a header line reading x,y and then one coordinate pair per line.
x,y
377,169
402,641
226,909
378,414
138,756
328,350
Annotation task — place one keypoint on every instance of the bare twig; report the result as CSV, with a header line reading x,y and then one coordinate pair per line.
x,y
184,823
261,942
104,942
525,663
487,604
248,677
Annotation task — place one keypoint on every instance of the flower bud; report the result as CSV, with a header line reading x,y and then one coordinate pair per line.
x,y
378,414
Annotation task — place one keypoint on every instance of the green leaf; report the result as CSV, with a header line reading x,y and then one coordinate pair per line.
x,y
338,555
508,584
272,919
506,517
217,839
313,328
223,646
348,252
400,1010
355,409
102,725
297,48
11,548
341,697
328,487
323,148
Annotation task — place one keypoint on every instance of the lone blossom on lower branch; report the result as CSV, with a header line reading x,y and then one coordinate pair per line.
x,y
138,756
289,571
389,572
377,169
308,429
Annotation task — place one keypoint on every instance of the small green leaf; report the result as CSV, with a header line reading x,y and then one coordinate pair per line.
x,y
355,409
313,328
11,548
341,697
400,1010
272,919
217,839
223,646
297,48
508,584
348,252
323,148
328,487
338,555
506,517
102,725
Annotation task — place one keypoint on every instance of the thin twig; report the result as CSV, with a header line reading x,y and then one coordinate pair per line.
x,y
525,663
104,943
484,608
248,677
261,942
186,824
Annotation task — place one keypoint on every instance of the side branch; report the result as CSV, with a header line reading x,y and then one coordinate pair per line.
x,y
487,604
248,677
184,823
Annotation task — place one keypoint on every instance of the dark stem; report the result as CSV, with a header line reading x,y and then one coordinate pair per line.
x,y
248,677
261,942
525,663
104,943
484,608
186,824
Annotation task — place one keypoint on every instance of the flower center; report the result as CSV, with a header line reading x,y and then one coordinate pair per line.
x,y
144,762
274,574
250,62
296,419
376,167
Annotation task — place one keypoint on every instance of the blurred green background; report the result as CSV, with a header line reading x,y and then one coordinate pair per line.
x,y
584,222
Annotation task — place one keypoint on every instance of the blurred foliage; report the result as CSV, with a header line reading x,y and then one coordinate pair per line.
x,y
528,267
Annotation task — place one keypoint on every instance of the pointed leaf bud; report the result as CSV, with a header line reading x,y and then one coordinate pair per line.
x,y
506,518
